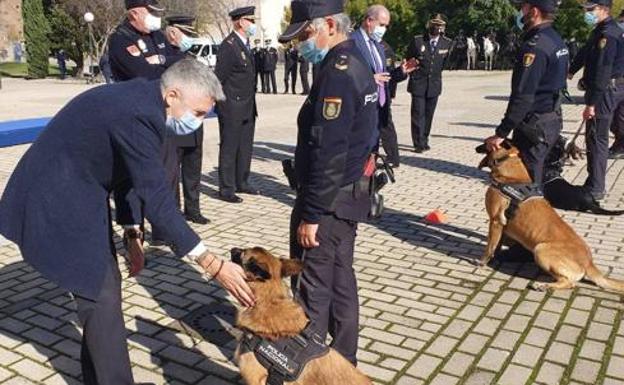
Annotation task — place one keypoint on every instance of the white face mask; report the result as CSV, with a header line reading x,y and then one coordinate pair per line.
x,y
378,33
152,23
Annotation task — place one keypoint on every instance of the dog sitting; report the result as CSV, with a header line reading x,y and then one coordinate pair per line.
x,y
534,224
277,333
563,195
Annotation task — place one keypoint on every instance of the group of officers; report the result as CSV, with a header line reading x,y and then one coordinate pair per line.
x,y
340,125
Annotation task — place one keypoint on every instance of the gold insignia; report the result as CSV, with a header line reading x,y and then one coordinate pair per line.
x,y
443,51
602,43
133,50
331,108
388,62
342,63
528,59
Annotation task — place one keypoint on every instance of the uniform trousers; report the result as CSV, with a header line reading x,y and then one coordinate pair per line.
x,y
423,109
104,353
235,150
597,136
190,163
327,287
269,79
617,128
290,74
534,154
305,82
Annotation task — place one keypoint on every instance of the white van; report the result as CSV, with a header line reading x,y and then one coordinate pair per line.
x,y
206,52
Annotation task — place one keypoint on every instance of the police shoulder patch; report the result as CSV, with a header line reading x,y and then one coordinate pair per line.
x,y
331,108
602,43
342,63
528,59
133,50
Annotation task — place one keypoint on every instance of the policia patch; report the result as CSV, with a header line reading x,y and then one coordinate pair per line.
x,y
528,59
331,108
602,43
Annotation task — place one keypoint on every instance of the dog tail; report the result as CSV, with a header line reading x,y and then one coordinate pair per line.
x,y
601,211
593,274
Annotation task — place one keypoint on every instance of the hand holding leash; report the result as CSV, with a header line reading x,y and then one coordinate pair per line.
x,y
572,150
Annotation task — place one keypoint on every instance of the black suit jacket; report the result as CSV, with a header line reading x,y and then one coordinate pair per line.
x,y
427,79
55,206
236,71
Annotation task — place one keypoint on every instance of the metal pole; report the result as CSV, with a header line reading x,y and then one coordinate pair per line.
x,y
91,74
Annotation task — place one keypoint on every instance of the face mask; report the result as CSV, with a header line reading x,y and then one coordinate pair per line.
x,y
621,24
378,33
152,23
520,19
186,43
310,52
185,125
251,30
591,18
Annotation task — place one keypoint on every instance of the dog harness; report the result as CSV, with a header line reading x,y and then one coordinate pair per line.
x,y
518,194
285,358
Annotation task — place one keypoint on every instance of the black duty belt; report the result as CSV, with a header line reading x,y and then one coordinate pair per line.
x,y
285,358
518,194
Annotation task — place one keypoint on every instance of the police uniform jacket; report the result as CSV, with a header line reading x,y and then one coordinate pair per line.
x,y
236,71
129,50
291,57
258,56
55,206
604,60
270,60
426,81
336,124
538,78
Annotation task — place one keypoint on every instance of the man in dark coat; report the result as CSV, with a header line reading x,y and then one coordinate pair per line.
x,y
304,71
291,57
55,205
425,84
237,114
269,67
258,55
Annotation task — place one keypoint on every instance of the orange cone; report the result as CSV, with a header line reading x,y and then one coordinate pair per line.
x,y
435,217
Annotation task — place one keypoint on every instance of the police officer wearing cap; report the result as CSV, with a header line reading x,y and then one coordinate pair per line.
x,y
269,66
604,83
425,84
291,60
336,125
539,77
237,114
258,53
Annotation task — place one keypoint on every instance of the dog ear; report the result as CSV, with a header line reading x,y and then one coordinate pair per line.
x,y
481,149
291,267
507,145
484,162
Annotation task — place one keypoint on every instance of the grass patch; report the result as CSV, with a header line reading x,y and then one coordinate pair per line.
x,y
20,70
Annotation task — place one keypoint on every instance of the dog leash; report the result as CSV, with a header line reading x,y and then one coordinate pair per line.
x,y
572,150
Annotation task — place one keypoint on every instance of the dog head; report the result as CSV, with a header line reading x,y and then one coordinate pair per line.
x,y
261,266
505,164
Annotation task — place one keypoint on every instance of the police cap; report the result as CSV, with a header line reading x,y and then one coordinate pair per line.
x,y
149,4
304,11
183,22
437,20
593,3
246,12
549,6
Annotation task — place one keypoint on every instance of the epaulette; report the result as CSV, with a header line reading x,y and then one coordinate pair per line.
x,y
229,41
533,41
342,62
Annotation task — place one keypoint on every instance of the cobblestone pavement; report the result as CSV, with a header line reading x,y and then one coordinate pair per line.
x,y
428,316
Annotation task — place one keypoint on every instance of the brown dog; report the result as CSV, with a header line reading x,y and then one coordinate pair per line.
x,y
276,316
557,249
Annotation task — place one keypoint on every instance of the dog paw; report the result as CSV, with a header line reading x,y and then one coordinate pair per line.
x,y
539,286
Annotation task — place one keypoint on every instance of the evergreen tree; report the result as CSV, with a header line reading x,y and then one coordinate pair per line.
x,y
36,33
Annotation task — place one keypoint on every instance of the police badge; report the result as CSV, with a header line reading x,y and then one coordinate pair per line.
x,y
602,43
528,59
331,108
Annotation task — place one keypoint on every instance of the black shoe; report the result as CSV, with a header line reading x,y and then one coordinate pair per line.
x,y
598,196
248,190
419,150
616,153
426,147
197,218
230,198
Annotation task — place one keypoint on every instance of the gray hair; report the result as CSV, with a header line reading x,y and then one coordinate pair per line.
x,y
343,23
191,75
374,11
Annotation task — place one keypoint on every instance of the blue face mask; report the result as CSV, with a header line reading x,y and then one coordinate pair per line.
x,y
520,19
186,43
185,125
591,18
251,30
310,52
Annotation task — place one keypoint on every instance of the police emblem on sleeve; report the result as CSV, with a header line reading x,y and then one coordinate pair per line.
x,y
602,43
528,59
331,108
133,50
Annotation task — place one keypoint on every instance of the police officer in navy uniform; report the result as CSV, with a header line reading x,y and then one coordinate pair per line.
x,y
237,114
539,77
291,59
336,125
304,74
602,77
258,53
55,205
270,65
425,84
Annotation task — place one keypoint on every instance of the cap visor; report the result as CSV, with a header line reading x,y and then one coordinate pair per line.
x,y
292,31
588,4
155,8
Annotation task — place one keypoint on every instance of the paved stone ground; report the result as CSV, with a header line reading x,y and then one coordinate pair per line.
x,y
428,315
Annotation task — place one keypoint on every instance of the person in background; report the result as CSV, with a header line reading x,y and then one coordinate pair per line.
x,y
291,57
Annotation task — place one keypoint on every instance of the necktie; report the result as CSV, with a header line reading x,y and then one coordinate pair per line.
x,y
433,45
381,89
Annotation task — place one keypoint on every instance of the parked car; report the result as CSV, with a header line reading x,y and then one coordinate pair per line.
x,y
206,52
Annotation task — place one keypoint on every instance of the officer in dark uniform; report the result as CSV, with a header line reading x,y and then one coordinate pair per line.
x,y
237,114
336,124
425,84
603,72
258,54
291,57
269,67
539,77
304,71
